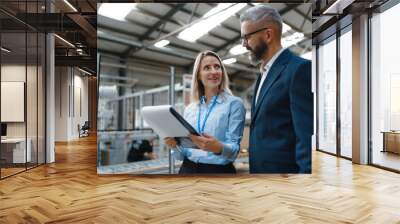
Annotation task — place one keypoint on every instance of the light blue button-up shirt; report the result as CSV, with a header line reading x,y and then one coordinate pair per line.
x,y
225,123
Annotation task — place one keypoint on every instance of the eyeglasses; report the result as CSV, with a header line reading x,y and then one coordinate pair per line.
x,y
246,37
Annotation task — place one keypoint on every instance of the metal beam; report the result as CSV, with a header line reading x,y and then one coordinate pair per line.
x,y
131,43
15,18
297,10
113,77
121,91
84,24
231,41
113,29
305,18
102,26
76,61
176,23
143,61
163,32
161,21
164,51
91,6
164,72
289,8
191,57
222,25
136,69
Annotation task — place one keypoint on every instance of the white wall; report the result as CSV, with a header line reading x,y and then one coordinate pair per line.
x,y
70,83
33,126
15,73
61,103
79,117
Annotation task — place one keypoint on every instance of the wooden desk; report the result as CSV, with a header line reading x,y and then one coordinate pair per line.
x,y
391,141
13,150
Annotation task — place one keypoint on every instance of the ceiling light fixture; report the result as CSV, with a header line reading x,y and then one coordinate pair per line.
x,y
64,40
337,7
229,61
161,43
70,5
238,49
285,27
292,39
117,11
84,71
5,50
79,51
211,19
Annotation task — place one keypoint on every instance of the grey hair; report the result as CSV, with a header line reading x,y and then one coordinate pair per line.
x,y
262,13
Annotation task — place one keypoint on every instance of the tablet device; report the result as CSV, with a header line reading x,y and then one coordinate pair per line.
x,y
167,122
183,122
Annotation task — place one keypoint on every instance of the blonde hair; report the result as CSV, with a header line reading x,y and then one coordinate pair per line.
x,y
197,86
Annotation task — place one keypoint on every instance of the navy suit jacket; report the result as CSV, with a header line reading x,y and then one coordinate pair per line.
x,y
282,121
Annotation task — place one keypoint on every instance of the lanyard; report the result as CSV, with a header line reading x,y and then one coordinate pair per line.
x,y
201,130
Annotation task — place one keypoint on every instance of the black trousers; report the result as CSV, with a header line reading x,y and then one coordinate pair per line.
x,y
189,167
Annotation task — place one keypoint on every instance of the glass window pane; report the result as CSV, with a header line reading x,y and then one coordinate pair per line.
x,y
385,89
327,97
31,101
14,149
41,99
22,63
346,94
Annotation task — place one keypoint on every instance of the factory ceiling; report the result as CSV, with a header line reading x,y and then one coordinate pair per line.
x,y
136,31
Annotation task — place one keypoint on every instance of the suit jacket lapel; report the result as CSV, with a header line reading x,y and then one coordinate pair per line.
x,y
272,76
253,103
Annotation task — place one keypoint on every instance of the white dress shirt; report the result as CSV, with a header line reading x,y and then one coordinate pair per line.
x,y
266,70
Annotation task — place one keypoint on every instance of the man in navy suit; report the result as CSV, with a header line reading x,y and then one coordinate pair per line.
x,y
282,107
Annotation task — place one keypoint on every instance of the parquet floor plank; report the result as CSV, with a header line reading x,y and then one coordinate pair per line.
x,y
70,191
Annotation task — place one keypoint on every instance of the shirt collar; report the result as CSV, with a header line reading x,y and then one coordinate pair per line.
x,y
266,65
219,99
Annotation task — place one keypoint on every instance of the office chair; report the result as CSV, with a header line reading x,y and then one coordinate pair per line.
x,y
84,130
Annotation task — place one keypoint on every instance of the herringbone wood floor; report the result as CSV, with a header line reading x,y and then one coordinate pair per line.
x,y
70,191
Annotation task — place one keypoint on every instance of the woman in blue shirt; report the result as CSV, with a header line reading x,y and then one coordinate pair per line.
x,y
216,114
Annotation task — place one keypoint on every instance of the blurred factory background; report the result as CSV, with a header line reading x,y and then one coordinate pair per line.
x,y
145,57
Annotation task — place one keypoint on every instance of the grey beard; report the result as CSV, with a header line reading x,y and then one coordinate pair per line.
x,y
255,55
253,60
